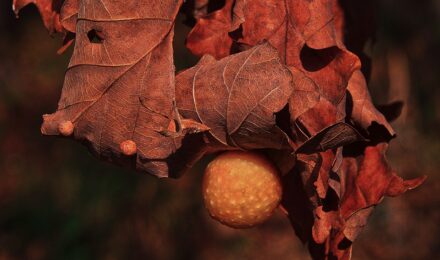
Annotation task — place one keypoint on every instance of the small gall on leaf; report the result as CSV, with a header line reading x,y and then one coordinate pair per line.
x,y
128,147
66,128
241,189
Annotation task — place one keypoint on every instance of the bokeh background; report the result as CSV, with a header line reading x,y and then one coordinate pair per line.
x,y
58,202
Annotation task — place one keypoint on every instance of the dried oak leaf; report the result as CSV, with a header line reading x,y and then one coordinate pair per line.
x,y
315,174
304,189
49,11
210,34
304,34
324,223
364,181
368,178
330,217
119,92
120,82
237,98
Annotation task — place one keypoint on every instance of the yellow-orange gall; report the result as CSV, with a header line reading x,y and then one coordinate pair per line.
x,y
128,147
241,189
66,128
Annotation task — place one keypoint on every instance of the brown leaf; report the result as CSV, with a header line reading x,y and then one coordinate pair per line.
x,y
367,180
308,167
119,98
324,171
324,222
315,170
123,54
237,97
362,183
210,35
309,38
264,19
303,33
363,111
330,81
304,197
398,185
207,96
356,222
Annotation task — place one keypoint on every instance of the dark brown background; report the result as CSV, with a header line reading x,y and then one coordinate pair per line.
x,y
57,202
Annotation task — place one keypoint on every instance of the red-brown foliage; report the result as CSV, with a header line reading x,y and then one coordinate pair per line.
x,y
282,77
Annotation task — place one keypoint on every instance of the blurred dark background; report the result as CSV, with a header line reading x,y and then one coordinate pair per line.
x,y
57,202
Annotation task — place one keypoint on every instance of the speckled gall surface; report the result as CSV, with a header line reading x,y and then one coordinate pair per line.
x,y
241,189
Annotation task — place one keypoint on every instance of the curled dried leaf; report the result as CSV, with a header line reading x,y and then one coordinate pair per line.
x,y
237,97
334,136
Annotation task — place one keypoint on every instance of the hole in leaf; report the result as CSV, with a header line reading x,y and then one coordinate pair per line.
x,y
282,118
95,36
314,60
344,244
182,158
354,149
331,256
331,201
237,34
378,133
215,5
391,111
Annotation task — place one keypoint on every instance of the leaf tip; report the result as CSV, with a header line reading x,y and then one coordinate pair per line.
x,y
398,186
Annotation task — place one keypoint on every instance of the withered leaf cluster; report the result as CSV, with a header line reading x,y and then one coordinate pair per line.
x,y
287,78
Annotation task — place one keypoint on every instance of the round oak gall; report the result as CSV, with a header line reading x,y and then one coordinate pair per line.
x,y
128,147
241,189
66,128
